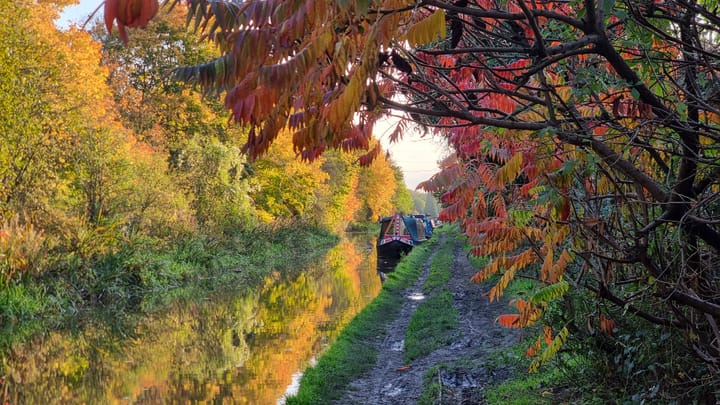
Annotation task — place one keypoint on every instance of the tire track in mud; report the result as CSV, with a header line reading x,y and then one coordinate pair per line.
x,y
390,382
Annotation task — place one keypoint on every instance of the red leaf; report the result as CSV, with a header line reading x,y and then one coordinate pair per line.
x,y
509,320
129,13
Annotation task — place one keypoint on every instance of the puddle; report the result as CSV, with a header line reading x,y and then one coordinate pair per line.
x,y
416,296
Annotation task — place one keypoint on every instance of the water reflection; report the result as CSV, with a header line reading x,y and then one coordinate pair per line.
x,y
240,349
386,264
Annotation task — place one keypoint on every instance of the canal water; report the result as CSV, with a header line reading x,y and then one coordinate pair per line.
x,y
248,348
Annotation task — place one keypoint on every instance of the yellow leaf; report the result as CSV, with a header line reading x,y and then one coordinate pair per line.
x,y
427,29
551,350
509,171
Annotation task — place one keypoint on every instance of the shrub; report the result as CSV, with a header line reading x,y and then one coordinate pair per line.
x,y
22,248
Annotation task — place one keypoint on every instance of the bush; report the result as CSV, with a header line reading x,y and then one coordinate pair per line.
x,y
22,248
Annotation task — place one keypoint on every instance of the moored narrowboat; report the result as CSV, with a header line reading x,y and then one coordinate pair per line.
x,y
399,234
427,224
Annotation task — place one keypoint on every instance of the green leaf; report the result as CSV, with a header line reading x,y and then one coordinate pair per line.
x,y
548,293
682,110
551,350
608,6
521,217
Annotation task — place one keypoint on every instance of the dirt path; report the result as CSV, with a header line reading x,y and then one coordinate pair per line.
x,y
471,365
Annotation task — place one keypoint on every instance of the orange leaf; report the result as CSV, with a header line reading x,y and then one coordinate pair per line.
x,y
509,320
607,325
548,332
535,348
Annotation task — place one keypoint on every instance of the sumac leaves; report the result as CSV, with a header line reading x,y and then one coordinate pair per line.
x,y
129,13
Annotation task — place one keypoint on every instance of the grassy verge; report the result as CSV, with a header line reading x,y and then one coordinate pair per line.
x,y
352,354
567,380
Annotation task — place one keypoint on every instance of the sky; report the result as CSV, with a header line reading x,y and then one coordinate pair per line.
x,y
417,156
79,13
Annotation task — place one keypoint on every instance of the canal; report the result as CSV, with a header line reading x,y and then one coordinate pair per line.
x,y
248,348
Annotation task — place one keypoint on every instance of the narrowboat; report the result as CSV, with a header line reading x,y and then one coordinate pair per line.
x,y
427,224
398,235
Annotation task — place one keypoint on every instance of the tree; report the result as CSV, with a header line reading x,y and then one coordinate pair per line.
x,y
181,124
585,132
402,200
431,206
341,204
287,188
158,110
376,190
31,145
418,201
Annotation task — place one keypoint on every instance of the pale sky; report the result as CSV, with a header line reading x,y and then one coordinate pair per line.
x,y
416,155
79,13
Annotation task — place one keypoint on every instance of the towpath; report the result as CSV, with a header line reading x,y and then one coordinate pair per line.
x,y
467,366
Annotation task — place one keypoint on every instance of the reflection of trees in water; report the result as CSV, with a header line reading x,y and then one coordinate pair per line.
x,y
387,263
244,347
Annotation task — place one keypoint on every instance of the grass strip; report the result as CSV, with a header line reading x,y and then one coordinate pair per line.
x,y
435,321
525,389
432,326
352,353
440,268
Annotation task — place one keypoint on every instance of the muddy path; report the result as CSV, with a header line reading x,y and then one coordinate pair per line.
x,y
467,366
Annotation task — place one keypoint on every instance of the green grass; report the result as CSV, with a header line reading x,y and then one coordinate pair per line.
x,y
433,325
432,389
439,269
352,353
435,320
20,308
526,389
